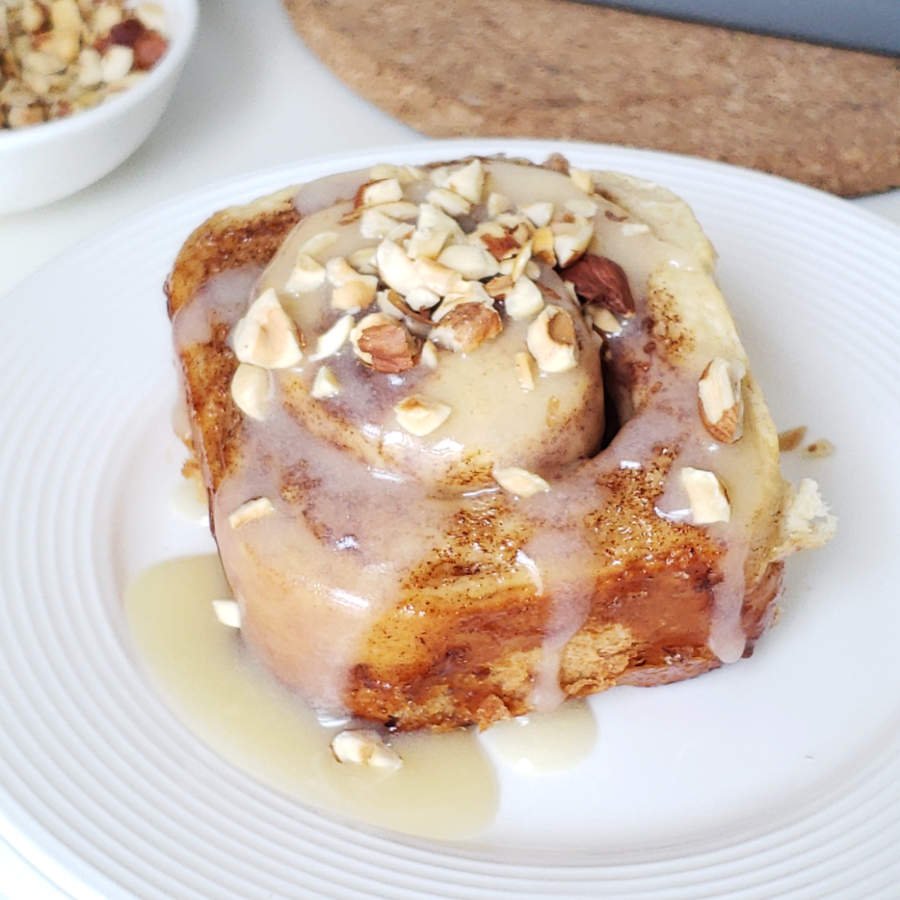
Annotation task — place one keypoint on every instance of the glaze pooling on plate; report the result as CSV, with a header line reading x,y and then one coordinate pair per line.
x,y
445,789
366,490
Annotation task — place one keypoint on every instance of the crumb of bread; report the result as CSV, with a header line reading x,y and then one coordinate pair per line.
x,y
806,521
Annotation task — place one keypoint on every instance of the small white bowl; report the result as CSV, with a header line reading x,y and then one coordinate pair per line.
x,y
42,163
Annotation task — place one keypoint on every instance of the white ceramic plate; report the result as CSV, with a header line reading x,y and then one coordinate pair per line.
x,y
776,776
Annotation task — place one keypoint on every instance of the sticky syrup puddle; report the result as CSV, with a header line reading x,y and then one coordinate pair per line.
x,y
448,786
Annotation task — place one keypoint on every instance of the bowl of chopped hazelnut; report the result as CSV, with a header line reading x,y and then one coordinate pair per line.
x,y
82,84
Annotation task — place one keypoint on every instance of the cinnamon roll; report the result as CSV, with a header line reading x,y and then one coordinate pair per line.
x,y
480,436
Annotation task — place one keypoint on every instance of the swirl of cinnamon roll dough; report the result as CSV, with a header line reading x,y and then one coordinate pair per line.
x,y
480,436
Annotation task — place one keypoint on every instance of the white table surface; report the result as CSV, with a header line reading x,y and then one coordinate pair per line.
x,y
252,96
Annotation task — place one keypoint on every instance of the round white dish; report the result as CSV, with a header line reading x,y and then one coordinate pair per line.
x,y
777,776
46,162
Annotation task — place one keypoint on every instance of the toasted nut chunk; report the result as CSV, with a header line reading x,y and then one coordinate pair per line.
x,y
375,223
520,482
339,271
401,232
369,321
420,416
90,72
551,340
706,496
374,193
267,336
500,243
307,275
41,63
520,263
429,355
449,201
21,116
438,278
468,181
363,260
524,300
149,49
422,298
386,301
364,747
116,62
427,242
250,390
439,175
603,320
513,221
354,295
432,217
583,180
332,340
127,31
396,268
721,401
228,612
353,290
63,43
319,243
471,262
818,449
791,439
539,214
499,287
386,347
394,305
401,210
525,370
466,327
325,385
542,246
497,203
599,280
571,240
251,511
473,292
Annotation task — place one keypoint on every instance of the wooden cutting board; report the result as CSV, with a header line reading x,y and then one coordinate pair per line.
x,y
557,69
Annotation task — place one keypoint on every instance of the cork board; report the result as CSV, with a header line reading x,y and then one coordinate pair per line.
x,y
558,69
